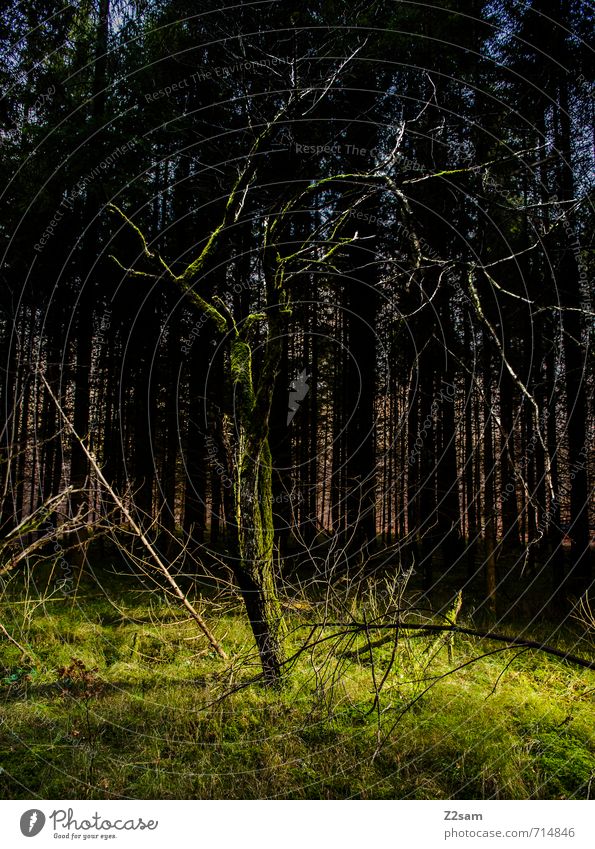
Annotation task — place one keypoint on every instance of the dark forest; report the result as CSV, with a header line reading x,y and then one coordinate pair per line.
x,y
297,400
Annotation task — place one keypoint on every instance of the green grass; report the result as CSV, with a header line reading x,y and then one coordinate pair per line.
x,y
150,724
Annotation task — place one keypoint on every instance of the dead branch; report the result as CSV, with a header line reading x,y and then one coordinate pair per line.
x,y
14,642
457,629
151,550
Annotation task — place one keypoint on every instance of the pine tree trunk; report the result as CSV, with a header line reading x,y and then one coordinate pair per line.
x,y
490,515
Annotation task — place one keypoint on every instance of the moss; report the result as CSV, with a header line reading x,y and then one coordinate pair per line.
x,y
161,731
256,535
241,375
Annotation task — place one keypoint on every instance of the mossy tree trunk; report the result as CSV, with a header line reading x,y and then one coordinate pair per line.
x,y
253,500
255,568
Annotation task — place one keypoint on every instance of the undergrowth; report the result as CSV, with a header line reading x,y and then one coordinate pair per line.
x,y
127,702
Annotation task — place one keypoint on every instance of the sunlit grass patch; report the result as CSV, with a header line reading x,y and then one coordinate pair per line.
x,y
168,719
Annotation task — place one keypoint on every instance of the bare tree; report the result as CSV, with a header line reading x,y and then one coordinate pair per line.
x,y
250,388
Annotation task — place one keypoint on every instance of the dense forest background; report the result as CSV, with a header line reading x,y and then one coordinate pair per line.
x,y
447,399
424,368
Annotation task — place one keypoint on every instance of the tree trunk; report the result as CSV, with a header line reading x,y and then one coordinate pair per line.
x,y
490,514
255,572
253,498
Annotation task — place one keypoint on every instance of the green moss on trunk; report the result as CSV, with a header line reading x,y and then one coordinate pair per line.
x,y
254,516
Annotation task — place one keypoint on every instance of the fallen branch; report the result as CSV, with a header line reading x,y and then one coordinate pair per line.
x,y
137,528
458,629
14,642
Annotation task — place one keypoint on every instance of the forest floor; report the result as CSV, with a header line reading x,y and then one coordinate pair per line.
x,y
120,699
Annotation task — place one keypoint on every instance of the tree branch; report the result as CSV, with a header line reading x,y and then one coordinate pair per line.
x,y
472,632
155,557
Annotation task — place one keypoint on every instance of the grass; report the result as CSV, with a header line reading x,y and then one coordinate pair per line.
x,y
141,715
